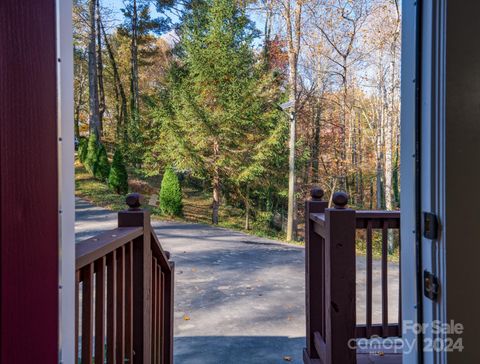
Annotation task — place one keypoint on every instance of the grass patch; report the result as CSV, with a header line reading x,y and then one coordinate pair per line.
x,y
96,192
197,203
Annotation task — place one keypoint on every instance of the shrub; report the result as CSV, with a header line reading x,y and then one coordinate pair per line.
x,y
90,162
82,150
263,220
102,165
170,194
118,178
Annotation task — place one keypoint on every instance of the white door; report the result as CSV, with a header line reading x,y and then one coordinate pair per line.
x,y
431,174
422,177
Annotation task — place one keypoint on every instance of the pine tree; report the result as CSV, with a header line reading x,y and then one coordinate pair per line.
x,y
82,150
215,116
102,165
118,178
170,194
139,25
92,153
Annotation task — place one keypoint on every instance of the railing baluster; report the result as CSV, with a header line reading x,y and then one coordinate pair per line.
x,y
168,310
129,302
399,284
100,311
323,264
111,306
77,316
161,310
385,332
154,309
369,278
87,314
120,305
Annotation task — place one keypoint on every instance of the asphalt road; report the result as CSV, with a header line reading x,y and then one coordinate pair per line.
x,y
238,298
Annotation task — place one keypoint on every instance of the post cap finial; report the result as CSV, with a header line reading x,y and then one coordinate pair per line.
x,y
134,201
316,193
340,199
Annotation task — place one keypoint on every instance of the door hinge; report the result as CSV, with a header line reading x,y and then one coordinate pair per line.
x,y
431,286
430,226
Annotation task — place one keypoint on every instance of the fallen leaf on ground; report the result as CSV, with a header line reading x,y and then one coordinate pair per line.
x,y
186,317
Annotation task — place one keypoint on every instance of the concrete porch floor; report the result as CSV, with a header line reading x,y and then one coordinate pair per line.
x,y
238,298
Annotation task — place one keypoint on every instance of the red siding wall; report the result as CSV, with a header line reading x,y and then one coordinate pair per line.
x,y
28,183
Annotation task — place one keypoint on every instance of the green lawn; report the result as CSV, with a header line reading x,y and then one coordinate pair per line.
x,y
95,191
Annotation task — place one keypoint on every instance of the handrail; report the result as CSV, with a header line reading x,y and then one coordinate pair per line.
x,y
124,294
162,255
89,250
377,218
364,216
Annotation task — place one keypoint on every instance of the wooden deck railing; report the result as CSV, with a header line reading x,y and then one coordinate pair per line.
x,y
124,302
330,256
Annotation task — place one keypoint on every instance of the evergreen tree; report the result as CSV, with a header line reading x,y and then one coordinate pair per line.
x,y
92,153
215,108
118,178
138,26
170,194
102,165
82,150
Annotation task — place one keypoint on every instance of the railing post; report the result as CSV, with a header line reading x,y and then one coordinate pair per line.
x,y
314,277
142,276
340,283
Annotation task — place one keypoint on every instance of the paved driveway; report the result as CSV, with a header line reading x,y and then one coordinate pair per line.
x,y
238,298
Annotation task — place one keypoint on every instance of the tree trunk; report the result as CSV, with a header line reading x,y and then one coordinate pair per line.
x,y
94,121
101,89
134,93
215,185
247,209
361,196
343,135
79,100
122,112
390,100
388,164
316,145
379,162
293,40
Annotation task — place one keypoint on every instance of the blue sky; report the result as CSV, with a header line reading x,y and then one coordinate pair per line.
x,y
117,5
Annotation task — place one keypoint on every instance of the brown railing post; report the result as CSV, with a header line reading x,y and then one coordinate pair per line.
x,y
314,271
340,290
142,270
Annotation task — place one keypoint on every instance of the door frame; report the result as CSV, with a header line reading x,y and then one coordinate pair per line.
x,y
410,89
66,176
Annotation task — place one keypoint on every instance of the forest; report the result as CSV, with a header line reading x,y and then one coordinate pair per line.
x,y
210,105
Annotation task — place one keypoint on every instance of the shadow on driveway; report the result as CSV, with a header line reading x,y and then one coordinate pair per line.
x,y
238,350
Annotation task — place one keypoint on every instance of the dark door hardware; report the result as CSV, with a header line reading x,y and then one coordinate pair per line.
x,y
431,285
